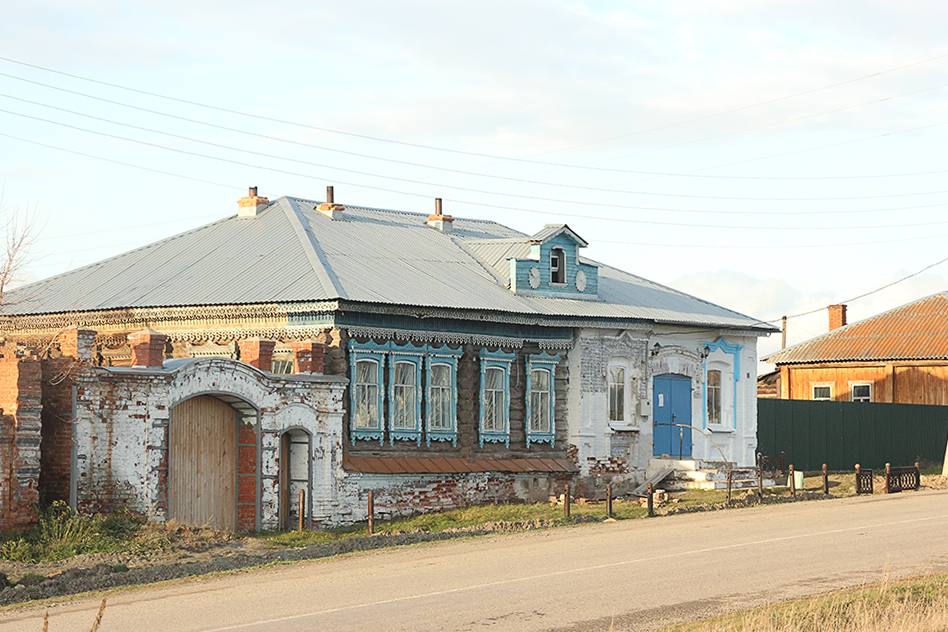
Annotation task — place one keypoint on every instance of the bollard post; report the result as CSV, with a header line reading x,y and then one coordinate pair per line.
x,y
887,480
302,510
371,512
918,476
566,502
793,482
826,480
730,480
760,483
651,500
857,479
609,500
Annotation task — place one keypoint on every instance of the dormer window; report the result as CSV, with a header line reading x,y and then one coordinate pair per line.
x,y
557,266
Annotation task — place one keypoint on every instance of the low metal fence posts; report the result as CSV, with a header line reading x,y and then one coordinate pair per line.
x,y
760,483
650,503
566,502
609,500
793,482
863,480
826,480
730,482
899,478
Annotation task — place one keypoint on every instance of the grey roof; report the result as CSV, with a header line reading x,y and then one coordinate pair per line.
x,y
552,230
290,252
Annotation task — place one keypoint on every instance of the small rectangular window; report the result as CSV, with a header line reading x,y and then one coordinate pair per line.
x,y
862,392
714,396
616,393
822,392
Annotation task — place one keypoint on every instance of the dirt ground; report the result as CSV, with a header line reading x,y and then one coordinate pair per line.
x,y
193,552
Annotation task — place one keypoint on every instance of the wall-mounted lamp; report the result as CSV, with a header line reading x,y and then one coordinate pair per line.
x,y
705,352
656,349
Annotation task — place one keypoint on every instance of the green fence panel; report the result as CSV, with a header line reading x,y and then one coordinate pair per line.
x,y
842,434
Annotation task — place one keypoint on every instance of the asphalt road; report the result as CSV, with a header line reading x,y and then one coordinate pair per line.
x,y
635,575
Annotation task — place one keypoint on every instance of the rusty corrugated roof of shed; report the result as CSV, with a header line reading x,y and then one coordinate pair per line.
x,y
291,253
916,331
452,465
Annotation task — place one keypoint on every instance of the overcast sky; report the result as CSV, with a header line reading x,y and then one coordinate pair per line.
x,y
771,157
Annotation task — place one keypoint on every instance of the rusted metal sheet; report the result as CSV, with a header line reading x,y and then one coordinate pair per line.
x,y
917,331
202,463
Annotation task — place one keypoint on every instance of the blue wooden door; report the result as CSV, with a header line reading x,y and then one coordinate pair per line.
x,y
672,405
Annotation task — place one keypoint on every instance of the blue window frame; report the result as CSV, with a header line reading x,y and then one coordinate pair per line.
x,y
367,363
541,398
735,352
441,367
404,394
495,397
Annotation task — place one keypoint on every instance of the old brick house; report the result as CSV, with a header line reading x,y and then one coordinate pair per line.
x,y
437,361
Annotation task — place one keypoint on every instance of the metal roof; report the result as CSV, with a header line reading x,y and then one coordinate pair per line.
x,y
552,230
916,331
290,252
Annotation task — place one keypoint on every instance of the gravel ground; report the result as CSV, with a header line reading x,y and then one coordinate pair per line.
x,y
224,552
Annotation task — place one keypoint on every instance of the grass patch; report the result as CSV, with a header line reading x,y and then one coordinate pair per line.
x,y
920,605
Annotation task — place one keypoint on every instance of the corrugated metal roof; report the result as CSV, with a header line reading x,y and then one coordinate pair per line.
x,y
290,252
916,331
552,230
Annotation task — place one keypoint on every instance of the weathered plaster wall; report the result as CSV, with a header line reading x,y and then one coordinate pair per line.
x,y
122,432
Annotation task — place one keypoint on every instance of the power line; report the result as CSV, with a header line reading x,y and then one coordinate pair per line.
x,y
481,154
376,175
483,204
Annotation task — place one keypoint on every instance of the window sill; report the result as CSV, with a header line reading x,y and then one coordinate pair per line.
x,y
622,427
720,429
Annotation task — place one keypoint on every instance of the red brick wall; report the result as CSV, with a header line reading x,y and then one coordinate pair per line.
x,y
20,435
246,478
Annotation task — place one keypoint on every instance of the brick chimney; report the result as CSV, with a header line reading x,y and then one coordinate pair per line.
x,y
148,348
440,221
257,352
837,316
251,205
309,356
330,209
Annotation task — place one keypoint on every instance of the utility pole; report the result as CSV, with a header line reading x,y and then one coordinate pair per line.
x,y
783,334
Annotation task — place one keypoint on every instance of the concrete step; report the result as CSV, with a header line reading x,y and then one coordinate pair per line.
x,y
713,475
653,478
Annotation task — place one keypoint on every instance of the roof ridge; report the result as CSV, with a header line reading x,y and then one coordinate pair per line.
x,y
315,255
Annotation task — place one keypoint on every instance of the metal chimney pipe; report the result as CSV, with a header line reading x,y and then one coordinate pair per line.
x,y
438,206
329,199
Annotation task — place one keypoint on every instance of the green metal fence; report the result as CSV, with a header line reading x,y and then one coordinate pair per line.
x,y
842,434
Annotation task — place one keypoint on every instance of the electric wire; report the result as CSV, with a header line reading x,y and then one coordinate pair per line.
x,y
481,154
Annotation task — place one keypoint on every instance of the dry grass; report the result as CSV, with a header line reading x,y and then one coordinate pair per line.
x,y
919,605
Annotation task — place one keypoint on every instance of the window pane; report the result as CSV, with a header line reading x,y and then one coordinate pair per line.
x,y
494,400
366,395
403,397
822,392
539,401
714,397
439,400
616,394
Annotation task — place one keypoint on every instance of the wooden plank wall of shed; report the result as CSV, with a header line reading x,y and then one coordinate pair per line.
x,y
908,383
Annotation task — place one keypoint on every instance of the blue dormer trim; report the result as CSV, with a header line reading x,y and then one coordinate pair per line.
x,y
376,353
542,362
580,279
735,351
405,355
502,361
446,356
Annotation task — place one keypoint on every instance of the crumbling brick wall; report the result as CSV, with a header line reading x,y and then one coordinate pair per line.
x,y
20,435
